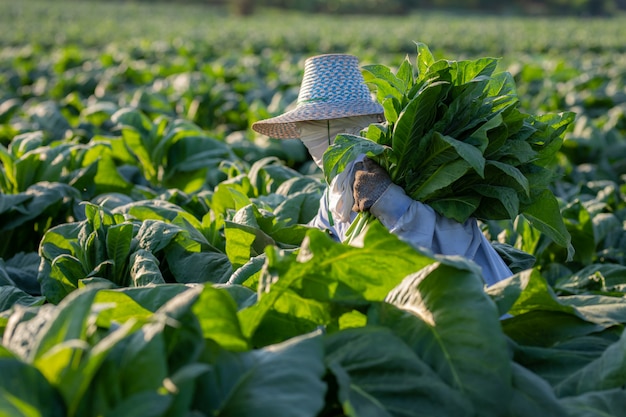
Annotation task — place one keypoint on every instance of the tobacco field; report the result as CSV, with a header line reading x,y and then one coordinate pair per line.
x,y
154,253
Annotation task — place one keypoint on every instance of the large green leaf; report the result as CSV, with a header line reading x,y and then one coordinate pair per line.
x,y
122,307
465,109
544,214
44,201
517,260
61,352
267,174
389,88
298,209
499,202
11,296
239,243
380,72
155,235
596,403
547,327
279,380
250,270
459,207
606,372
469,153
464,344
145,404
325,271
247,234
602,309
503,91
144,269
217,313
67,322
559,360
22,270
118,243
405,74
62,278
415,120
137,134
25,392
137,302
437,151
160,210
532,396
528,291
21,327
369,271
124,368
512,175
379,375
468,71
424,60
202,266
511,152
231,196
30,169
49,116
81,365
603,277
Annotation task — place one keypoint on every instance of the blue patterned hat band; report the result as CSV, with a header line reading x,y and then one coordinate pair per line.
x,y
332,87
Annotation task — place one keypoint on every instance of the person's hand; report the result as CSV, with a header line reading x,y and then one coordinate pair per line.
x,y
370,182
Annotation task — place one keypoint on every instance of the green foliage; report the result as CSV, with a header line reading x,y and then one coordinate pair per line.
x,y
155,259
455,139
169,154
128,251
220,349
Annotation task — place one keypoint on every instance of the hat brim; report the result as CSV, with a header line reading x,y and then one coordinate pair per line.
x,y
285,127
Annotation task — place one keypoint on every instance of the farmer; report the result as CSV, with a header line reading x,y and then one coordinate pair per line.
x,y
334,99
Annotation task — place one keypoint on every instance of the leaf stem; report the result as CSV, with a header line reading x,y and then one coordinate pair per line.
x,y
358,226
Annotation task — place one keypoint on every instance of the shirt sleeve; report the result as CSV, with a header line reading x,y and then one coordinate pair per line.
x,y
418,224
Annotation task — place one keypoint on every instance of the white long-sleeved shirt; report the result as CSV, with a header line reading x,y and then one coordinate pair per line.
x,y
419,225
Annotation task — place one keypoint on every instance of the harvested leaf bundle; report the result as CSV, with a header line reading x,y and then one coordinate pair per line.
x,y
455,139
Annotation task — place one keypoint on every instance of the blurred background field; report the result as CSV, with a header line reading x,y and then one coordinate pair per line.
x,y
564,58
460,31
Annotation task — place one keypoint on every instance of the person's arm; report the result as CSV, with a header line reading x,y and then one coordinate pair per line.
x,y
418,224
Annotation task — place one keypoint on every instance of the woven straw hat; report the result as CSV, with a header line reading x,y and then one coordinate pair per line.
x,y
332,87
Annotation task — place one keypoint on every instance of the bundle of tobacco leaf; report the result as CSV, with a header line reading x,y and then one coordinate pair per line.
x,y
456,139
